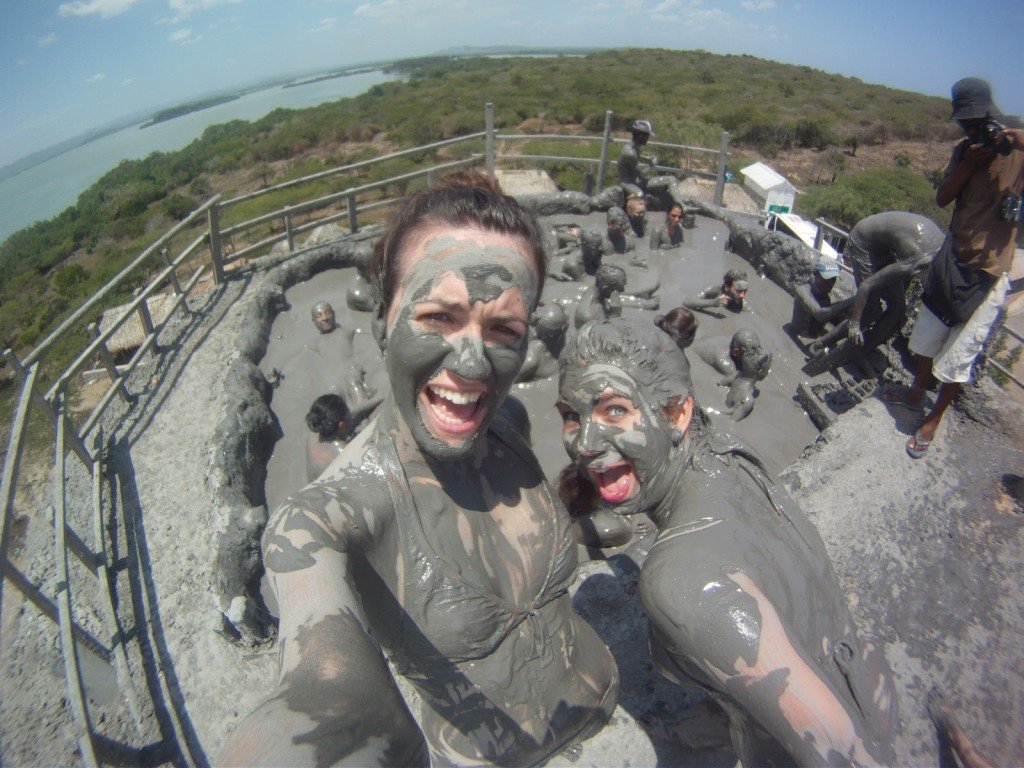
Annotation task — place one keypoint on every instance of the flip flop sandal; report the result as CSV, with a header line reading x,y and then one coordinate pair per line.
x,y
917,446
899,396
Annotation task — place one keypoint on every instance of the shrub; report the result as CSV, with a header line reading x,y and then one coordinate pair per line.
x,y
178,206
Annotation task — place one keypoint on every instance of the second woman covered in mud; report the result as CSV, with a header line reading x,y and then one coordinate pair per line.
x,y
435,537
738,587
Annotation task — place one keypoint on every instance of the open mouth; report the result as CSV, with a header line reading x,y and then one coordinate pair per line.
x,y
616,483
452,413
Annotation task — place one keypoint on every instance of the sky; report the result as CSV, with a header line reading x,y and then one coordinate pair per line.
x,y
69,67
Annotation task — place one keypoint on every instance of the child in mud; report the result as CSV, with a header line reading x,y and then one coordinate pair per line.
x,y
741,595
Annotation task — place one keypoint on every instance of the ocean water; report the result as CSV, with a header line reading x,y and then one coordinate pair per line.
x,y
46,189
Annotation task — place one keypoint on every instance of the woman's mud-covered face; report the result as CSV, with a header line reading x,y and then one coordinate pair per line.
x,y
616,437
456,334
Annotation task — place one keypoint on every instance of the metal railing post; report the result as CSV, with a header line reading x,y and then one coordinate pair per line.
x,y
819,237
431,177
288,230
723,155
604,151
353,219
216,255
489,139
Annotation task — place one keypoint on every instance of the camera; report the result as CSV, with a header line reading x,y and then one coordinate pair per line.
x,y
990,129
1010,207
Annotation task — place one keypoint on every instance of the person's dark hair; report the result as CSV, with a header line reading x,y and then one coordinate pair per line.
x,y
325,414
733,275
673,206
679,323
465,199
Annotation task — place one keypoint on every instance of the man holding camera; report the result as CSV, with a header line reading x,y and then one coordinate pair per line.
x,y
967,281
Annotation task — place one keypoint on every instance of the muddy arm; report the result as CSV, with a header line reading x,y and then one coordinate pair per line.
x,y
787,694
749,659
899,270
336,702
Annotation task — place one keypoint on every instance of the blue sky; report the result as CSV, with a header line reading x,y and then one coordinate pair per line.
x,y
67,67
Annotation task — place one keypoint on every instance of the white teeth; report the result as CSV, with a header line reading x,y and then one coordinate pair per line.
x,y
459,398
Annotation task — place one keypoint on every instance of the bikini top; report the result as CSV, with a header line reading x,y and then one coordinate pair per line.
x,y
444,617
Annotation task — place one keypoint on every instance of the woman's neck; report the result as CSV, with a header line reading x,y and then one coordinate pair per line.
x,y
675,470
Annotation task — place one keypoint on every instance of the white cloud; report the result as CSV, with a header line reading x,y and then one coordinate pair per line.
x,y
183,8
128,81
184,36
758,5
46,40
96,78
665,7
403,10
105,8
325,25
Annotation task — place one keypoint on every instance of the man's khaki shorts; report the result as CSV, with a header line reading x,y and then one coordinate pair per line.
x,y
954,349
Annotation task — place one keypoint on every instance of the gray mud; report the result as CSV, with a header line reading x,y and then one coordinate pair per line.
x,y
778,427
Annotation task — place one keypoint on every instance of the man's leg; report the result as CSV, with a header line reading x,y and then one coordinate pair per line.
x,y
925,433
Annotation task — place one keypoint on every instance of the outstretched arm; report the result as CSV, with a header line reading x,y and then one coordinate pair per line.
x,y
787,694
336,702
899,270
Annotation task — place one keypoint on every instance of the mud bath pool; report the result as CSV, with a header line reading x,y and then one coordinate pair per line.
x,y
312,364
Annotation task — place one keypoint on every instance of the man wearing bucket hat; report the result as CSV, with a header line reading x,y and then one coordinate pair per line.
x,y
967,281
638,171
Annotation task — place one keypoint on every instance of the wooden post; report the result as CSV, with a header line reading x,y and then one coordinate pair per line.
x,y
489,140
604,151
216,255
288,230
819,237
723,155
353,221
108,360
431,177
147,324
174,273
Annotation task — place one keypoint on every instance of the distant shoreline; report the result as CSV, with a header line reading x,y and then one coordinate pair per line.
x,y
184,109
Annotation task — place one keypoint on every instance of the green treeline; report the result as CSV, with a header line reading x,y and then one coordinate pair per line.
x,y
50,267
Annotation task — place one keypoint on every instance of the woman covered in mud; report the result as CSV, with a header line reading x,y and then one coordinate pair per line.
x,y
438,540
741,595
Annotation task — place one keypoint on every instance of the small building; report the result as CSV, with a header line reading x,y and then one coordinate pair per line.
x,y
769,188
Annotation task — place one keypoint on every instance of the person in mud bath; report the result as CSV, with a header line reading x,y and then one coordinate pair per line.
x,y
549,325
742,363
681,324
812,302
620,232
670,234
636,213
608,297
731,294
741,595
332,424
885,251
322,314
435,536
